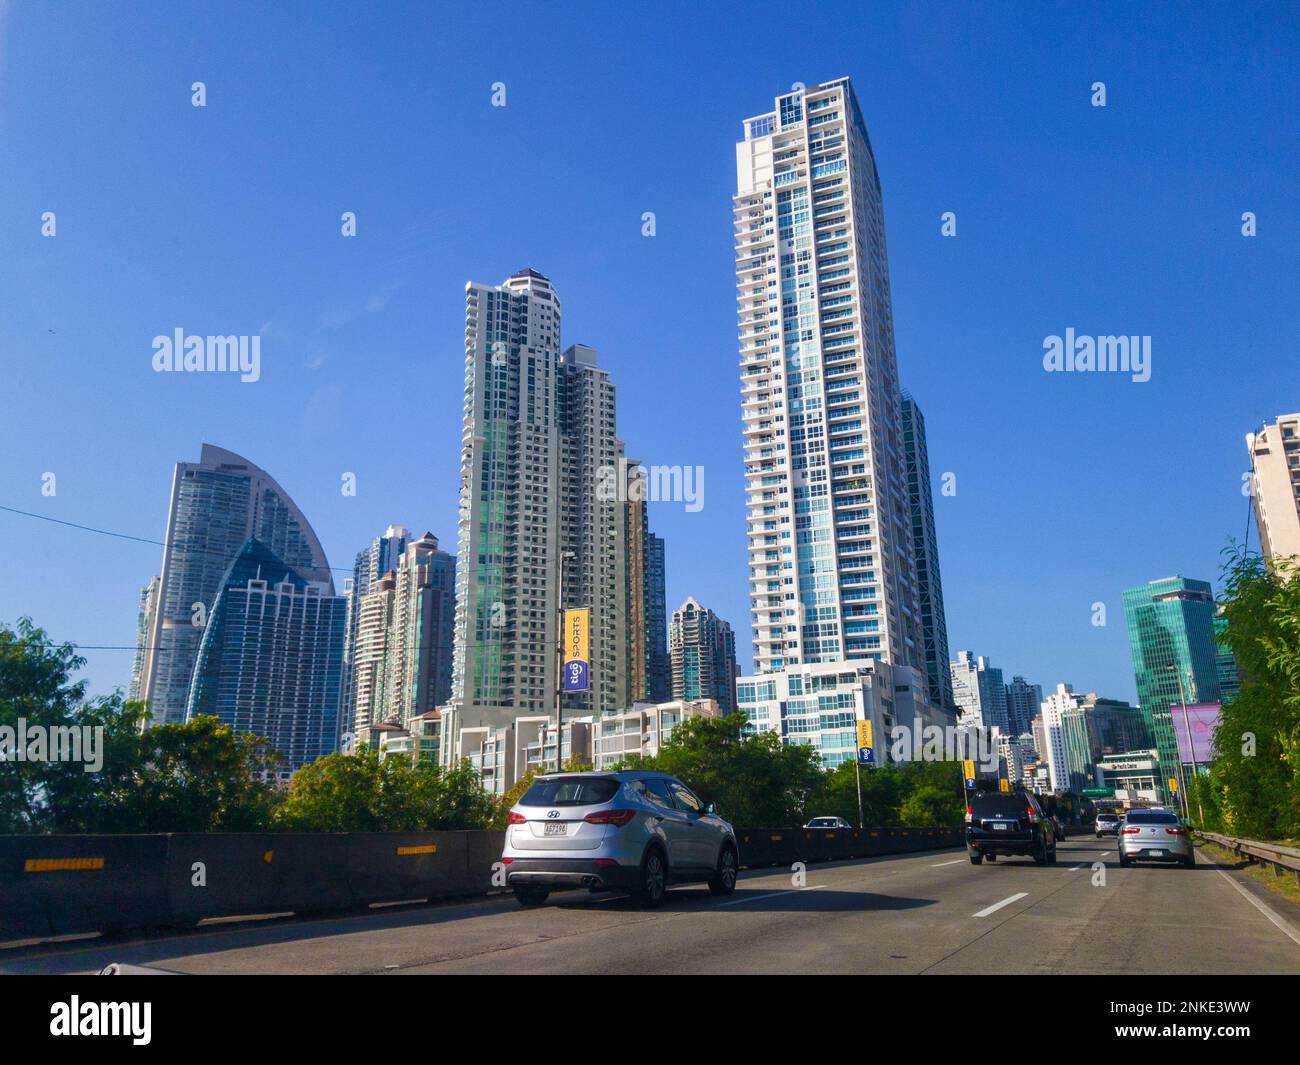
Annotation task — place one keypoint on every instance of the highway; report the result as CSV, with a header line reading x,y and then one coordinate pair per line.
x,y
921,913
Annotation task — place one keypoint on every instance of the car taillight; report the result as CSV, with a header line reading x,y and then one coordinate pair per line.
x,y
1029,812
517,819
506,861
610,817
1130,831
1176,831
968,813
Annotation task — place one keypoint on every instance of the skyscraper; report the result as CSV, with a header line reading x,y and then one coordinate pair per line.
x,y
217,505
506,561
925,549
979,691
538,448
1175,657
271,656
1275,485
371,564
702,648
403,651
1023,702
831,572
144,625
648,670
592,522
659,675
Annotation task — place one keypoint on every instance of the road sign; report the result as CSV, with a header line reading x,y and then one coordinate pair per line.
x,y
1099,793
864,733
866,756
577,643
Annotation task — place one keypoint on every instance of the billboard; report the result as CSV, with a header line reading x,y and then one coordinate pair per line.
x,y
1203,719
577,655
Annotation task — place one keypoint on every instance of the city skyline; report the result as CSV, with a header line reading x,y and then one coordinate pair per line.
x,y
1027,601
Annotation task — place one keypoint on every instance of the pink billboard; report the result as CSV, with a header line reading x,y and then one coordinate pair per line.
x,y
1203,719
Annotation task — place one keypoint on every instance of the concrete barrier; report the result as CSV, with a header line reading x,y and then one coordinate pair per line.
x,y
67,885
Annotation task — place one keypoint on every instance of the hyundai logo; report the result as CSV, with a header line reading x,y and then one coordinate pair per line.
x,y
553,814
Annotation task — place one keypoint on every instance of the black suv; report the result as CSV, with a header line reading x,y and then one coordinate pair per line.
x,y
1002,823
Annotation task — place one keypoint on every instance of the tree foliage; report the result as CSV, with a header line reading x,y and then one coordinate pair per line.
x,y
1254,787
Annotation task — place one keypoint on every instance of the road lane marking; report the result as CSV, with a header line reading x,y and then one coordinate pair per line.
x,y
771,895
1285,926
956,861
1076,868
998,905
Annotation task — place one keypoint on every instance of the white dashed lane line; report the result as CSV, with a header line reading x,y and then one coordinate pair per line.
x,y
998,905
771,895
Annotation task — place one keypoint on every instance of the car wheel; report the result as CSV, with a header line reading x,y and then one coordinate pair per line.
x,y
723,882
991,857
1040,853
1189,862
975,859
654,879
1099,835
531,896
1125,862
1051,855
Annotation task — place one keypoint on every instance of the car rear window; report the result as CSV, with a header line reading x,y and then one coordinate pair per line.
x,y
998,806
1107,817
570,791
1136,818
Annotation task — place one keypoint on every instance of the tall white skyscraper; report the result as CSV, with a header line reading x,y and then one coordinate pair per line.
x,y
831,571
1275,485
539,443
832,574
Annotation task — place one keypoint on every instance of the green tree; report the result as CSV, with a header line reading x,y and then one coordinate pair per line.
x,y
360,792
200,776
36,687
754,779
1256,777
928,807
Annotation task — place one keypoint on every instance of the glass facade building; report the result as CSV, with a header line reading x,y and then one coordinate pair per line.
x,y
1172,639
271,657
925,549
217,505
702,649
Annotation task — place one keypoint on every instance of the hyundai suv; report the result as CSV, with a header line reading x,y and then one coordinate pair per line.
x,y
1008,823
635,831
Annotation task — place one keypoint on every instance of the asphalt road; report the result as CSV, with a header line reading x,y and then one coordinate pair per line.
x,y
921,913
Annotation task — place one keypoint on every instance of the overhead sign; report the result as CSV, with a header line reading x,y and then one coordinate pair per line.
x,y
577,650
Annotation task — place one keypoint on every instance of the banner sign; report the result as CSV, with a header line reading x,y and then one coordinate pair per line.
x,y
577,653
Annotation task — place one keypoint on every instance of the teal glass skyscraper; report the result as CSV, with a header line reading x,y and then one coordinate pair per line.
x,y
271,657
1171,634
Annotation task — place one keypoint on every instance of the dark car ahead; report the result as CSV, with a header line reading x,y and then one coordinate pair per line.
x,y
1002,823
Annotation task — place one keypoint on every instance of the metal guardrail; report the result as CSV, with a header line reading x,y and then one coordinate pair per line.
x,y
1283,859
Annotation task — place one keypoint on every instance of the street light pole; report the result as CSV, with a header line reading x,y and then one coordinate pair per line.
x,y
1191,749
562,556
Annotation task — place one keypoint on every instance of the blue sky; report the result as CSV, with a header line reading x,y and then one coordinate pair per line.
x,y
1123,219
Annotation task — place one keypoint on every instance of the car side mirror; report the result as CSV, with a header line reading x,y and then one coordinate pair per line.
x,y
710,808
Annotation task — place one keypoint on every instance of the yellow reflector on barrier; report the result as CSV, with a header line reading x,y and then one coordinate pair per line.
x,y
777,839
427,848
59,865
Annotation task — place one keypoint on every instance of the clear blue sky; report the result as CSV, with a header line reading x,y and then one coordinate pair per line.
x,y
226,220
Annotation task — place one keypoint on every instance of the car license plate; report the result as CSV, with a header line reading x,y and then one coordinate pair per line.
x,y
1001,825
1156,854
553,829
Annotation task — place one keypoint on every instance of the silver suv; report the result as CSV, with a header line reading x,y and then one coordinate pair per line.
x,y
632,830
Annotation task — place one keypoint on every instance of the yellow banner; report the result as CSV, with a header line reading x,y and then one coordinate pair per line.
x,y
577,634
968,767
1004,784
864,734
